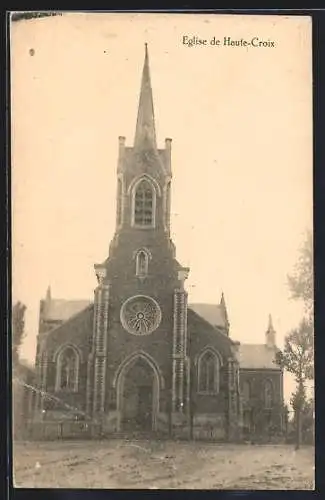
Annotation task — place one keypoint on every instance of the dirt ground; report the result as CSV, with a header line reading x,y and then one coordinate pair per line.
x,y
162,465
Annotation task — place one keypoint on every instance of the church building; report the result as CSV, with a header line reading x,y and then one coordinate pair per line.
x,y
139,358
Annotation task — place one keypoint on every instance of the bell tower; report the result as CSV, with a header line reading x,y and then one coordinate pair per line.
x,y
140,307
144,174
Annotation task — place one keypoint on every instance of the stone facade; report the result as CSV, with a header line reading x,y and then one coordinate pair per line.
x,y
138,357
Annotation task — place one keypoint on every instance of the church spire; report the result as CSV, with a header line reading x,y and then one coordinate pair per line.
x,y
270,327
48,295
47,302
224,310
270,335
145,129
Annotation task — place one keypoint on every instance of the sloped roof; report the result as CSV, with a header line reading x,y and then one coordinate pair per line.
x,y
76,327
202,333
257,356
212,313
61,310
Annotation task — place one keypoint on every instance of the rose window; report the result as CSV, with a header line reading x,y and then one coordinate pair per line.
x,y
140,315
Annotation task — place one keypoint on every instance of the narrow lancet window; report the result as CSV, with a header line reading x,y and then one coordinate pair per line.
x,y
142,262
209,373
67,370
268,394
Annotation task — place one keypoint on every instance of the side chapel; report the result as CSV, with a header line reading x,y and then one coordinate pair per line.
x,y
139,357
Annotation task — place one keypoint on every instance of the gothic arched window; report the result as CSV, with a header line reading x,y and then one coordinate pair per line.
x,y
142,262
268,394
119,202
144,204
208,373
67,370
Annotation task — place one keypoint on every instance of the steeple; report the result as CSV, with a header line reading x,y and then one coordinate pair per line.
x,y
48,295
270,327
270,334
145,133
46,303
224,310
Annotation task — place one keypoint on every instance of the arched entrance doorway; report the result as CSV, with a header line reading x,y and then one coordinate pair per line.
x,y
138,395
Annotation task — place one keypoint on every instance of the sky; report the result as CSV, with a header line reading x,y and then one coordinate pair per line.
x,y
241,123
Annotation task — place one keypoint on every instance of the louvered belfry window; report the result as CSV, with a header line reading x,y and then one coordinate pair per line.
x,y
143,204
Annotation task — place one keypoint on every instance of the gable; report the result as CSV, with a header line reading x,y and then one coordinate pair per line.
x,y
212,313
203,334
77,330
62,310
